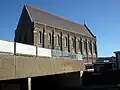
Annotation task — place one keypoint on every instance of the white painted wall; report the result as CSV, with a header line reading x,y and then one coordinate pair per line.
x,y
44,52
6,46
25,49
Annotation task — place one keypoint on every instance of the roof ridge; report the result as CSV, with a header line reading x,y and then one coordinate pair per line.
x,y
61,17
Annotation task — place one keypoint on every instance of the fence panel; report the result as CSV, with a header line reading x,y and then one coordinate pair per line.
x,y
44,52
25,49
56,53
6,46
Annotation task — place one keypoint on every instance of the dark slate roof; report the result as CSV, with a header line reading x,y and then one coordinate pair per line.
x,y
50,19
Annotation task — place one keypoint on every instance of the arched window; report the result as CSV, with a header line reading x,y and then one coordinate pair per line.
x,y
50,38
66,41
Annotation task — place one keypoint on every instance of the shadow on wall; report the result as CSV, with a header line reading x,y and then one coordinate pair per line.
x,y
101,78
58,81
16,84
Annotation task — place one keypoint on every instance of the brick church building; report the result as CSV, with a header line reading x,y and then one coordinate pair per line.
x,y
46,30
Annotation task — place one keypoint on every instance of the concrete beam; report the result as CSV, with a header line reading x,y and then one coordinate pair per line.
x,y
13,67
7,67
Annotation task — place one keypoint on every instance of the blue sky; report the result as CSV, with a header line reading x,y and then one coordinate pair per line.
x,y
102,17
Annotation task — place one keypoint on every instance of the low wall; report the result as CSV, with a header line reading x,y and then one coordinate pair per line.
x,y
23,49
29,50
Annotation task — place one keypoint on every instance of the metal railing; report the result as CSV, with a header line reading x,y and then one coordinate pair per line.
x,y
66,55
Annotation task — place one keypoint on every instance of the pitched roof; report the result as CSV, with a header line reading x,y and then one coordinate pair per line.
x,y
50,19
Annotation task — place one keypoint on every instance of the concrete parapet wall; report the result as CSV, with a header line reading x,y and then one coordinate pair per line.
x,y
12,67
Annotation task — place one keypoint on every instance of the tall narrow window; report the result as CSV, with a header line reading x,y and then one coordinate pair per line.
x,y
66,41
58,40
80,45
53,39
93,47
50,38
40,36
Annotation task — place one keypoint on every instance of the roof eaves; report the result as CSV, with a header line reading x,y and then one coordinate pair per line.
x,y
89,30
117,52
25,6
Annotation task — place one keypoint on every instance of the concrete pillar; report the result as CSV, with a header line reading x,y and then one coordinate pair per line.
x,y
29,83
81,78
